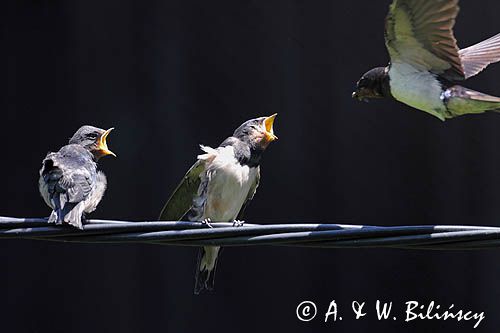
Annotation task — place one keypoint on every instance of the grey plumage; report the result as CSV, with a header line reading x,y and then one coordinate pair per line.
x,y
69,181
218,187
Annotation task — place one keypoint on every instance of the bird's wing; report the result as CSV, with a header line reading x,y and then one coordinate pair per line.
x,y
66,182
181,199
250,196
477,57
420,33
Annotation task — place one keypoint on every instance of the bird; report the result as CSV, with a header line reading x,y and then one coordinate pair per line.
x,y
69,181
426,65
219,186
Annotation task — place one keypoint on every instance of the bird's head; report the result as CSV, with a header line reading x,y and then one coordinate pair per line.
x,y
373,84
93,139
258,132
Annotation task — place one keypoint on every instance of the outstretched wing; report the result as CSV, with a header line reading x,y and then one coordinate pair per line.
x,y
477,57
420,33
250,196
181,199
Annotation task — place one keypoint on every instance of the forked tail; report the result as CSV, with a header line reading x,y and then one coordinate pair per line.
x,y
205,269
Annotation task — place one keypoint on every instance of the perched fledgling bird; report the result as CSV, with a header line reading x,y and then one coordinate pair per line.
x,y
426,63
69,181
219,185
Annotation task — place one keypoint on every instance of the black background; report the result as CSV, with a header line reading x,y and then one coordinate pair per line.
x,y
170,75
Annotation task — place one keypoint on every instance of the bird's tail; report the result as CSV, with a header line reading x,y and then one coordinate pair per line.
x,y
205,269
69,213
460,100
74,216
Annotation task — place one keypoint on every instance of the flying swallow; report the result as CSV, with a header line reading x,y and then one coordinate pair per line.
x,y
218,187
426,64
69,181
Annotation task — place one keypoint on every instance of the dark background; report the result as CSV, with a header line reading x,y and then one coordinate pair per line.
x,y
170,75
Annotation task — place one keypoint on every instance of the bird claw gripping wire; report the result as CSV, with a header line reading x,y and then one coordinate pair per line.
x,y
206,222
238,223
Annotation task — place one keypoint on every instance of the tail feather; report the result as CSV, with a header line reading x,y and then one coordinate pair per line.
x,y
70,213
460,100
205,269
74,216
60,209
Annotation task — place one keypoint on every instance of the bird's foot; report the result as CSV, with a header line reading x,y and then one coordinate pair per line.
x,y
206,222
238,223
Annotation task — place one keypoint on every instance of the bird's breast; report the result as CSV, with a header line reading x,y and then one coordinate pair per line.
x,y
228,189
417,88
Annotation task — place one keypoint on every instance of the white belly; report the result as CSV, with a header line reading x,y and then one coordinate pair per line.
x,y
227,190
418,89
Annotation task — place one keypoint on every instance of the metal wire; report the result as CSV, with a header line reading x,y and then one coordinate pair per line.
x,y
425,237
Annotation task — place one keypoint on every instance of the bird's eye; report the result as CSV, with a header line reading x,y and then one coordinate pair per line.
x,y
92,136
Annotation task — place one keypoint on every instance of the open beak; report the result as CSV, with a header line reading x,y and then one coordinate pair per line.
x,y
103,145
268,125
